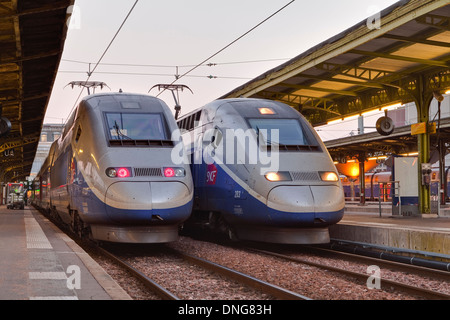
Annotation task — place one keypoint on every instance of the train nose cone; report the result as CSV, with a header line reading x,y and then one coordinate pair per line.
x,y
308,204
330,203
291,199
141,202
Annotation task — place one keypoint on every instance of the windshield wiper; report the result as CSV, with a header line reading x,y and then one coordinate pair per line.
x,y
119,132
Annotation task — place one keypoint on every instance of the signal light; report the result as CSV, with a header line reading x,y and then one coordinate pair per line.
x,y
174,172
121,172
169,172
266,111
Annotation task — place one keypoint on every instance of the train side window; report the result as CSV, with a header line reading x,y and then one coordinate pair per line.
x,y
217,138
197,116
186,123
78,134
190,123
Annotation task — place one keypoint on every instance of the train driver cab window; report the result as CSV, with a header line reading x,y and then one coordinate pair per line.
x,y
289,131
136,126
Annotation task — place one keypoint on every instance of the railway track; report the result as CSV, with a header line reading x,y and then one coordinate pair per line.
x,y
277,291
364,277
144,279
401,266
270,291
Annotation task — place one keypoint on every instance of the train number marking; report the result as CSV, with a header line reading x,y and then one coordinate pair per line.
x,y
237,194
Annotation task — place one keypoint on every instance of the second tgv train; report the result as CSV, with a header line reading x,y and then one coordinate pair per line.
x,y
378,184
111,172
260,173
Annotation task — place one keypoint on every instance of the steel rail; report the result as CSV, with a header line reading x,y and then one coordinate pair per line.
x,y
266,287
419,270
389,283
149,283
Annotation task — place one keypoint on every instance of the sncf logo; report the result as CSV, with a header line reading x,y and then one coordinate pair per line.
x,y
211,174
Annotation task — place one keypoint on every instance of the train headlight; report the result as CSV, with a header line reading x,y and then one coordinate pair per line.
x,y
174,172
278,176
111,172
122,172
329,176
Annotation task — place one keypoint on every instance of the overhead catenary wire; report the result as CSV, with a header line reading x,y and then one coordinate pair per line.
x,y
210,64
228,45
157,74
103,55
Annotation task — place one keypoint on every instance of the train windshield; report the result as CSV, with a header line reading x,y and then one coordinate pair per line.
x,y
136,126
290,132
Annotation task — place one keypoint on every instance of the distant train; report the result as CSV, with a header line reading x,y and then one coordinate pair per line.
x,y
111,175
260,173
378,184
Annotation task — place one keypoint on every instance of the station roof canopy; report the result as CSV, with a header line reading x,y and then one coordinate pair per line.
x,y
32,36
394,57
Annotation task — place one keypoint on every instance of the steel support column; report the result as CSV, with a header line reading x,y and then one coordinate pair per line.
x,y
362,180
442,173
423,99
424,156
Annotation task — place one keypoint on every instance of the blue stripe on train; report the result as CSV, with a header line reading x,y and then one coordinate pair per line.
x,y
240,207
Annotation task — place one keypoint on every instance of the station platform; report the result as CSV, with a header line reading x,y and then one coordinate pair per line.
x,y
365,224
39,262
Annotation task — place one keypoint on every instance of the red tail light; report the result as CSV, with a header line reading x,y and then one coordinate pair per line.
x,y
169,172
120,172
123,172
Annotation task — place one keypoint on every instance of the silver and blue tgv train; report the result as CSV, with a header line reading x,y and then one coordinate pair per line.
x,y
379,185
111,173
260,173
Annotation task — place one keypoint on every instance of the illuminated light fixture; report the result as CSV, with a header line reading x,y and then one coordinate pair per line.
x,y
391,107
351,117
266,111
370,112
410,154
334,121
378,158
354,172
329,176
447,92
169,172
174,172
121,172
278,176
